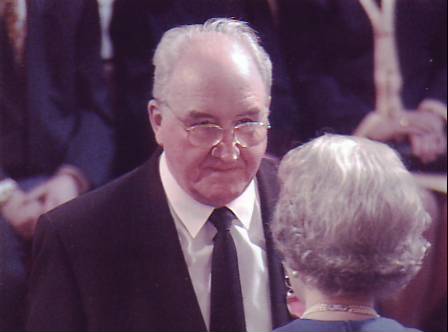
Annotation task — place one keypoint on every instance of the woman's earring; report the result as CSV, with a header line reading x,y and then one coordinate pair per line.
x,y
289,291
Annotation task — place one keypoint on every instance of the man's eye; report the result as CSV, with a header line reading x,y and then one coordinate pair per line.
x,y
203,123
244,121
198,122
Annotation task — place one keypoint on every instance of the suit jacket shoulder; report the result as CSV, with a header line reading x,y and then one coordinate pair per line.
x,y
107,253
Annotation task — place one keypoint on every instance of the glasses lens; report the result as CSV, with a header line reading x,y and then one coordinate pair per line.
x,y
207,135
250,134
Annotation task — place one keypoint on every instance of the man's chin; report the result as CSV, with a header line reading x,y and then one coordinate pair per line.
x,y
219,195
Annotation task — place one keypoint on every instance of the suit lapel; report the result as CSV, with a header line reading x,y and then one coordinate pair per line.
x,y
164,267
269,189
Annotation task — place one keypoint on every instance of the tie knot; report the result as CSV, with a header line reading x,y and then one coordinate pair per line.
x,y
222,219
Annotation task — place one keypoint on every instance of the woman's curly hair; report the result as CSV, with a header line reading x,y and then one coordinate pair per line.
x,y
349,217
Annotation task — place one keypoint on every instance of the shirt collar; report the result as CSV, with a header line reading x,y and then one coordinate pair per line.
x,y
194,214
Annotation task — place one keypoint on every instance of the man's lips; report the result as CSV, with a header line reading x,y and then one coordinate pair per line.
x,y
223,168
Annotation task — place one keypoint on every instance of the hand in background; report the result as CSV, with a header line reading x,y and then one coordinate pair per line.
x,y
23,209
22,213
434,106
56,191
380,127
423,130
429,146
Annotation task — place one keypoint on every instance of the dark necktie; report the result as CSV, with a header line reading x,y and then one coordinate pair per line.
x,y
226,308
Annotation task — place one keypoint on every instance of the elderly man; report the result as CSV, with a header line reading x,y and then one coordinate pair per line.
x,y
180,243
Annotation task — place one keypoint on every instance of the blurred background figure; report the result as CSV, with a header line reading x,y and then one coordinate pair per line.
x,y
349,223
105,8
136,28
55,125
331,50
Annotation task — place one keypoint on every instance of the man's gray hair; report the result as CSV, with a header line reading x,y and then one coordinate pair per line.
x,y
175,40
349,217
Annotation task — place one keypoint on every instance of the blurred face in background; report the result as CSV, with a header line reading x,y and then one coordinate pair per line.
x,y
214,82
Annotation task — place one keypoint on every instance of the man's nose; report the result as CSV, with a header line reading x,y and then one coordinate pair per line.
x,y
227,149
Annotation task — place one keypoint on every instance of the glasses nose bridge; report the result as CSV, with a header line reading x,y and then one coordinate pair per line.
x,y
228,147
229,137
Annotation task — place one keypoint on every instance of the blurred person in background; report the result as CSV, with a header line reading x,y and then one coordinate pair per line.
x,y
55,136
329,45
331,51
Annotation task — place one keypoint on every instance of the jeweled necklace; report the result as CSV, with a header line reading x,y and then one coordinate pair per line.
x,y
354,309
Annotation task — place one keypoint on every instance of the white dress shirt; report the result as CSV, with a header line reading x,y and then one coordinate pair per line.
x,y
196,238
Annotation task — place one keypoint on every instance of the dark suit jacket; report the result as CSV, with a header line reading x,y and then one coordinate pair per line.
x,y
62,99
112,260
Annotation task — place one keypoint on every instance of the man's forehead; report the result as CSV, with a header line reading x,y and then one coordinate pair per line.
x,y
230,55
217,48
213,79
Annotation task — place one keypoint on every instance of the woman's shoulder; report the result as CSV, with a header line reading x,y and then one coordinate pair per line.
x,y
370,325
384,324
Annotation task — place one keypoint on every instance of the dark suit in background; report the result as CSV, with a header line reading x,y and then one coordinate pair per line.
x,y
68,108
53,112
113,260
64,115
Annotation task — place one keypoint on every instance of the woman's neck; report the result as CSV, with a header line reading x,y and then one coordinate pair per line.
x,y
320,306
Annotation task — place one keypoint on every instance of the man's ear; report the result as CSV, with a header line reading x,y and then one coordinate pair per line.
x,y
155,118
268,102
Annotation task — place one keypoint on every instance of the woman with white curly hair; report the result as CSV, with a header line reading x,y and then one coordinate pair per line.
x,y
349,224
